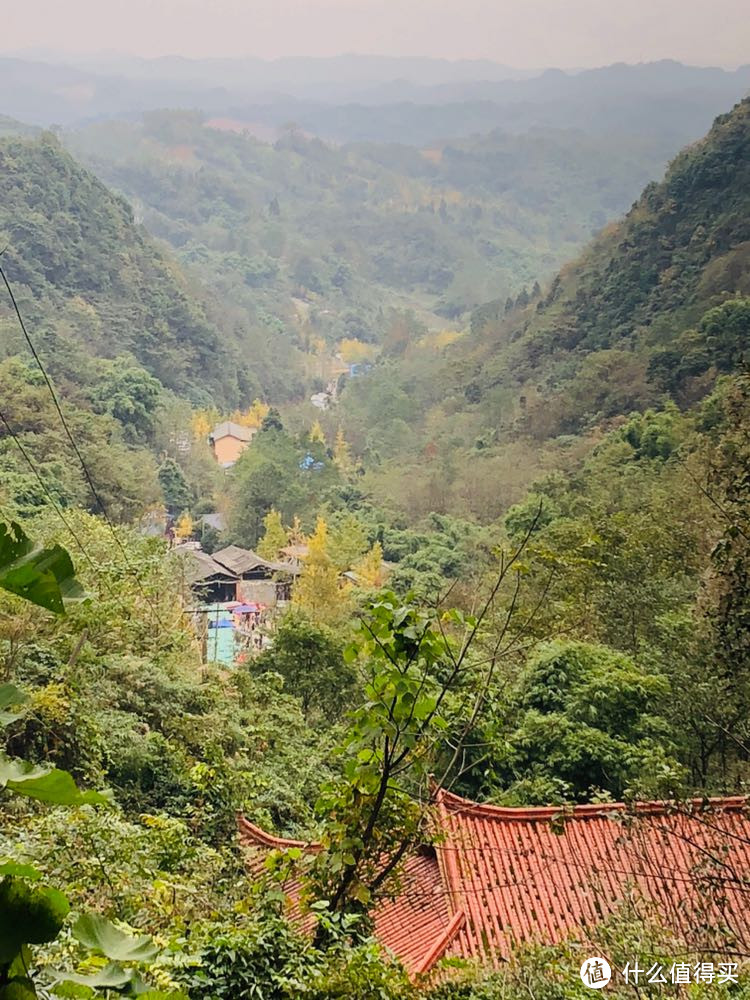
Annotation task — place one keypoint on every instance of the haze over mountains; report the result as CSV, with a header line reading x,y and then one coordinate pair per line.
x,y
376,98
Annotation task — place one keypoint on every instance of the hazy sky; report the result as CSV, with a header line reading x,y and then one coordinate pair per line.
x,y
524,33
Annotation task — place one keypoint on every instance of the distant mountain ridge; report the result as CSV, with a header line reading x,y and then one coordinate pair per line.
x,y
352,98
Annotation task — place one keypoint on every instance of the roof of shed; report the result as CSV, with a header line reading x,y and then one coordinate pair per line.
x,y
200,566
238,561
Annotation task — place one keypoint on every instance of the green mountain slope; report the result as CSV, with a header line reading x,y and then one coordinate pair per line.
x,y
352,229
654,309
118,327
641,288
686,241
74,252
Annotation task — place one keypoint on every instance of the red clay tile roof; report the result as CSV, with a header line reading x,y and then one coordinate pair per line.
x,y
539,874
409,925
497,877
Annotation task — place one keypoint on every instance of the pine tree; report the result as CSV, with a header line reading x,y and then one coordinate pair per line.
x,y
177,495
316,592
272,421
274,538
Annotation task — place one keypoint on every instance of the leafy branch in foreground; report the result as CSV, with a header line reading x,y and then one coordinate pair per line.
x,y
421,674
43,576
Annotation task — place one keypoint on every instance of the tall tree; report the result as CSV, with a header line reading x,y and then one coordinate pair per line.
x,y
316,434
370,567
317,591
274,538
342,453
174,486
347,541
310,659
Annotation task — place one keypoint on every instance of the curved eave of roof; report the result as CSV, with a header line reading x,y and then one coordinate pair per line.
x,y
250,832
457,804
200,567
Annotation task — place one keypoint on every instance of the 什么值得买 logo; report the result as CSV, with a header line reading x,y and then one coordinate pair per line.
x,y
596,972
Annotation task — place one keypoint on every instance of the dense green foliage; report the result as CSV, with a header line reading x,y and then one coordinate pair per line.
x,y
346,230
310,659
581,720
579,633
77,256
653,310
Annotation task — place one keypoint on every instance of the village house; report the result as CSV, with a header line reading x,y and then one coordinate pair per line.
x,y
211,582
494,877
237,574
228,440
258,580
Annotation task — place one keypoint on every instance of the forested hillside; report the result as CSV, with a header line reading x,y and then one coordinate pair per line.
x,y
354,229
653,310
119,328
73,247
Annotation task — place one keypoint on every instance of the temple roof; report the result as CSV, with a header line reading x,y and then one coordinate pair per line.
x,y
497,877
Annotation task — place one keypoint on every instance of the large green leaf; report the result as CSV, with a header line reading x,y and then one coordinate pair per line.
x,y
111,976
44,576
29,914
18,988
10,696
44,783
29,872
102,935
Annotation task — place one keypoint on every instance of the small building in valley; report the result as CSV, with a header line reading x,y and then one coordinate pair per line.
x,y
209,580
228,440
257,579
237,574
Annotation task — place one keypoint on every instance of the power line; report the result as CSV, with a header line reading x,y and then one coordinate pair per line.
x,y
74,445
55,505
102,580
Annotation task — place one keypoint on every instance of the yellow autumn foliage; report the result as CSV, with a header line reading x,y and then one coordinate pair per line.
x,y
355,351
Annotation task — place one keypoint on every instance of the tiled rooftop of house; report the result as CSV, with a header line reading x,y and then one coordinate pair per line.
x,y
496,877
